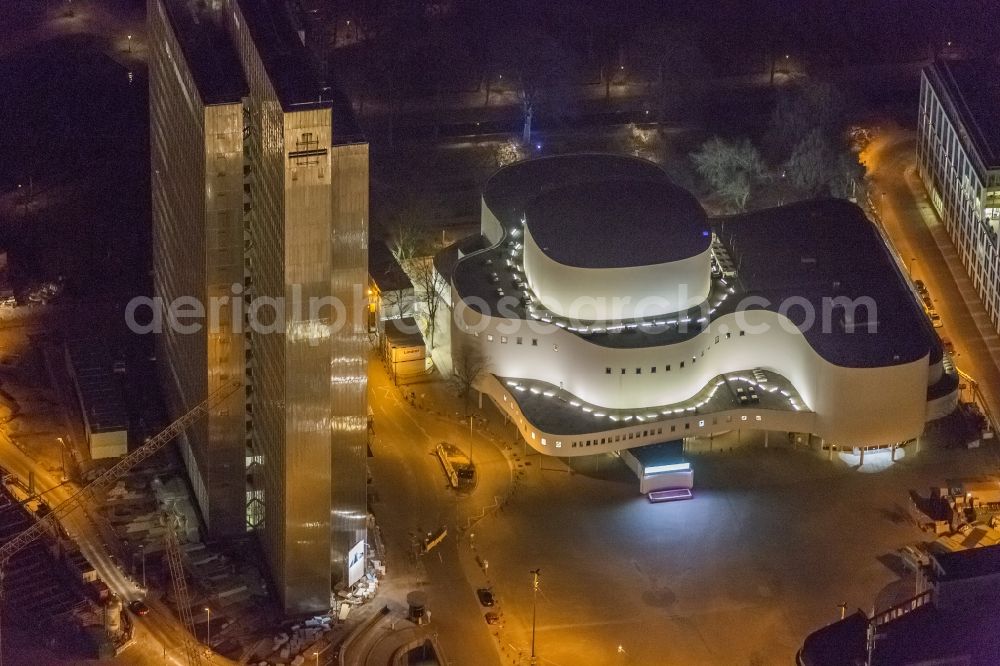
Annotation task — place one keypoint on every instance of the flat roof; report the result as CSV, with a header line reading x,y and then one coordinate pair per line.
x,y
290,68
971,563
97,387
974,88
664,453
208,50
384,270
822,250
600,211
403,332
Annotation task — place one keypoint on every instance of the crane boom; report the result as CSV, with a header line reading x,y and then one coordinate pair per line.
x,y
116,471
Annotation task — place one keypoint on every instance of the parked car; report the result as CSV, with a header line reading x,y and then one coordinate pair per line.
x,y
492,618
919,284
913,558
485,596
139,607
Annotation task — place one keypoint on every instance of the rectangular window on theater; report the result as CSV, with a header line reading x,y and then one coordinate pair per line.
x,y
659,431
716,339
623,371
668,367
520,341
729,336
653,370
534,342
638,371
607,371
618,437
682,365
687,426
673,428
489,338
742,333
503,339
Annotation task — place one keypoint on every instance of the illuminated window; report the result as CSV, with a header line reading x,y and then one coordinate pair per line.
x,y
489,338
759,418
701,424
533,435
544,443
743,418
503,339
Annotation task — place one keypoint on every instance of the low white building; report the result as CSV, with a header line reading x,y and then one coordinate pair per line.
x,y
612,313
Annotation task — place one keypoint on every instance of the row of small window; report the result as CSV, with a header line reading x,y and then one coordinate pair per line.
x,y
638,434
694,359
518,340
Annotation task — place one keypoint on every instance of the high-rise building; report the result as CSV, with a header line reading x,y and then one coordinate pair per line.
x,y
260,212
958,155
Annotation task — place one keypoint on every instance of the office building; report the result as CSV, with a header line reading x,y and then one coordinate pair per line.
x,y
958,156
260,212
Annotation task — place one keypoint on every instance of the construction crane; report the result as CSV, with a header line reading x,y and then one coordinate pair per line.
x,y
110,477
191,647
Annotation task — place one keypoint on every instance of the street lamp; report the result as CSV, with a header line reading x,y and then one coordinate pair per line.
x,y
208,628
62,455
130,43
909,266
534,611
142,554
316,656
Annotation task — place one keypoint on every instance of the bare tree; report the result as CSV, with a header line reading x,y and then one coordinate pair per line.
x,y
468,366
731,169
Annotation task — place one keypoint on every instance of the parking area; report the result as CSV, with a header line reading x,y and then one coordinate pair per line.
x,y
772,542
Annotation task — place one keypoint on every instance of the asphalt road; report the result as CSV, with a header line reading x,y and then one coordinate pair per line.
x,y
413,498
924,245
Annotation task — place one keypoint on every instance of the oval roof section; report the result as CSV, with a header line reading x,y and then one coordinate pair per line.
x,y
600,211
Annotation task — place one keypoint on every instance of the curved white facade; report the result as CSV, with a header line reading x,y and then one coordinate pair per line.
x,y
850,404
601,294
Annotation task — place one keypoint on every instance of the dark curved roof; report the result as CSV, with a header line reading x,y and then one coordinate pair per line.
x,y
618,222
595,210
